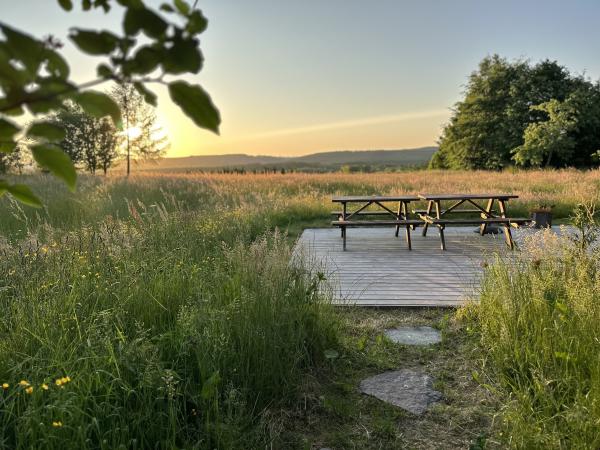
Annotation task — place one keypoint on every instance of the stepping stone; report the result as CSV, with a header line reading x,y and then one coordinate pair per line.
x,y
407,389
414,335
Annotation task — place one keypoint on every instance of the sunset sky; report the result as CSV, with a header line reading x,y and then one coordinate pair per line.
x,y
298,77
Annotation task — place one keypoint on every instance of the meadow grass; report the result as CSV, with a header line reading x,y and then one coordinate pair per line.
x,y
164,311
176,329
538,320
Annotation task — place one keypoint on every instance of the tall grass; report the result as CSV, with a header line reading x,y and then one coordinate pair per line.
x,y
155,327
540,323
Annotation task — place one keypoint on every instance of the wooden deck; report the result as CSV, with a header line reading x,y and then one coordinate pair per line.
x,y
378,270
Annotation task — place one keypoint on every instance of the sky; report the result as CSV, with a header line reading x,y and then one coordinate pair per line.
x,y
297,77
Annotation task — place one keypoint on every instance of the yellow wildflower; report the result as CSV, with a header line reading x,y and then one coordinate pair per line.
x,y
23,383
57,424
5,386
58,382
44,386
29,390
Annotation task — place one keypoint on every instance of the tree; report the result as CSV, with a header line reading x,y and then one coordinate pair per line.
x,y
502,99
34,77
143,138
89,141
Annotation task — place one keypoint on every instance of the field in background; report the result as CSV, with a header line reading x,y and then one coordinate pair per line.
x,y
288,200
162,310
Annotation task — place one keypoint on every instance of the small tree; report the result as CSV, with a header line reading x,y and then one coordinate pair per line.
x,y
89,141
143,138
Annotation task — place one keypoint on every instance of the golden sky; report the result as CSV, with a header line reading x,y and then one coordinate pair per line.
x,y
298,77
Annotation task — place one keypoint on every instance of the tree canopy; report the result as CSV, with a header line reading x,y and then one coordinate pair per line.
x,y
518,113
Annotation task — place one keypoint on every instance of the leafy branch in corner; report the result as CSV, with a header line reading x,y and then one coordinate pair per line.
x,y
34,78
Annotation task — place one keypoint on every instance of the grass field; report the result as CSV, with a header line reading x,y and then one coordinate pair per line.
x,y
162,311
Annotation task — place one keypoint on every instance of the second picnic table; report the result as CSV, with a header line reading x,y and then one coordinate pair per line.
x,y
432,215
487,215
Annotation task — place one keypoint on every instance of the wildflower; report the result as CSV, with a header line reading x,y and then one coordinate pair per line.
x,y
44,386
57,424
23,383
5,386
29,390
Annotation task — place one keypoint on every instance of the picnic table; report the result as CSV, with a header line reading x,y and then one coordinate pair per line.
x,y
348,218
434,214
487,215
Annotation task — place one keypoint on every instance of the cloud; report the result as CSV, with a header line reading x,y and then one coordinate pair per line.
x,y
365,121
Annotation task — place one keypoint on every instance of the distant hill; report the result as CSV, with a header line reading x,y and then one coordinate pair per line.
x,y
324,161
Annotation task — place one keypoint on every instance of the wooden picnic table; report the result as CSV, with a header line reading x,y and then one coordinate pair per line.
x,y
487,215
347,218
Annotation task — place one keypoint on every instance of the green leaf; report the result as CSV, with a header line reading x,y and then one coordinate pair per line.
x,y
182,7
146,60
7,129
7,146
23,194
46,130
67,5
94,42
149,96
143,19
24,48
184,56
166,8
56,64
104,71
56,161
98,104
197,23
196,104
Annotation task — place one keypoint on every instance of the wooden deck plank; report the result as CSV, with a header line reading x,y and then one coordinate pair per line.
x,y
378,270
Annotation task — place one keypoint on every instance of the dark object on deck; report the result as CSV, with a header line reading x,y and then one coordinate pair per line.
x,y
541,218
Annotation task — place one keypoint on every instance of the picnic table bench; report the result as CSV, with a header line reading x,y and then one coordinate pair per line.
x,y
487,215
400,216
346,218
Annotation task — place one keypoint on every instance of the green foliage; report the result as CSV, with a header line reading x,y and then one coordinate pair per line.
x,y
196,104
34,77
538,320
515,112
89,141
51,157
178,328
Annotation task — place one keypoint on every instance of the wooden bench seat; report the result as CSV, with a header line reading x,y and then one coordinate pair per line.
x,y
375,223
408,223
454,211
362,213
475,221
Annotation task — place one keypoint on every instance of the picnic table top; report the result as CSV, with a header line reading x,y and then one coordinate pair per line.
x,y
466,196
375,198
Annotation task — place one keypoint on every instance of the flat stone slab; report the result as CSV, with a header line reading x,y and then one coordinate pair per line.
x,y
414,335
407,389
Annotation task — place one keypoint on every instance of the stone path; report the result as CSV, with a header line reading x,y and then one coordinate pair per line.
x,y
407,389
414,335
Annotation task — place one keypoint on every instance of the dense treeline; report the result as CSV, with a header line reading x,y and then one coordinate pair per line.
x,y
523,114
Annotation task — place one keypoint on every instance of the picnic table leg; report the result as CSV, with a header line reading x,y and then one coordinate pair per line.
x,y
400,209
440,226
488,209
344,237
507,233
408,242
343,229
429,206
